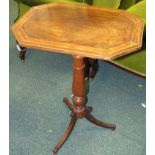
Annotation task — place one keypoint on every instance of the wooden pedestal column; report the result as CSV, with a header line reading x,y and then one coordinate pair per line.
x,y
78,86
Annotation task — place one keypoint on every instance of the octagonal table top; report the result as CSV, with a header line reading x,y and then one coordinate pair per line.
x,y
82,30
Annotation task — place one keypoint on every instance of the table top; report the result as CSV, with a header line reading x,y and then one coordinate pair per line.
x,y
82,30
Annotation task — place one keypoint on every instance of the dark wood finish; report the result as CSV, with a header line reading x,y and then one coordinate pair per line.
x,y
91,68
22,52
66,134
93,120
94,67
87,68
69,105
78,86
79,109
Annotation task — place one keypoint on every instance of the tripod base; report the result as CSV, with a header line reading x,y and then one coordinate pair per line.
x,y
86,113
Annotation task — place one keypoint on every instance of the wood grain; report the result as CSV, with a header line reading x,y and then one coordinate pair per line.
x,y
79,30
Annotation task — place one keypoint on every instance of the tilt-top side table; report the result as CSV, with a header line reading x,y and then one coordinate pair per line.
x,y
83,32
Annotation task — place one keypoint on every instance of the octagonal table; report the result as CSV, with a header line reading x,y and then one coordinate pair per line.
x,y
83,32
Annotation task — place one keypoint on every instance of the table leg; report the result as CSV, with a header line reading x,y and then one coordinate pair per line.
x,y
94,67
22,52
93,120
87,68
66,134
91,68
78,108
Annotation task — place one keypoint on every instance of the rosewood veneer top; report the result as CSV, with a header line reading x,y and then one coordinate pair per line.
x,y
82,30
